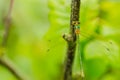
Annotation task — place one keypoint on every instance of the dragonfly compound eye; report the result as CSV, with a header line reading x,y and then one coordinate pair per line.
x,y
75,23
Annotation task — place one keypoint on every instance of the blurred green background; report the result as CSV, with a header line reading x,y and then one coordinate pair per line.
x,y
36,47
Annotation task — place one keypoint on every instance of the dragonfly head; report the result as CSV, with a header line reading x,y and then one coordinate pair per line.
x,y
75,23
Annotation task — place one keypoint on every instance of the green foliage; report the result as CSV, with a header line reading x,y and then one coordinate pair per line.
x,y
37,48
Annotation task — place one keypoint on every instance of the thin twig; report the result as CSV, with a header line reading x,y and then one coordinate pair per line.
x,y
75,7
7,24
3,59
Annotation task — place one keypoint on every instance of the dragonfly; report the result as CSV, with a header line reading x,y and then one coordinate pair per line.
x,y
77,32
106,43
